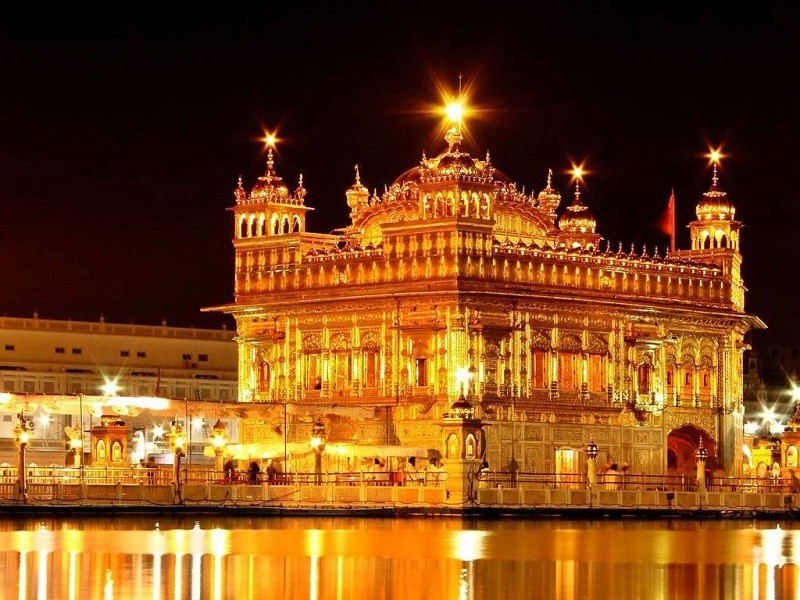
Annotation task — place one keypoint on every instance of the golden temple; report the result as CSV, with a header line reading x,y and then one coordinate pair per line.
x,y
458,313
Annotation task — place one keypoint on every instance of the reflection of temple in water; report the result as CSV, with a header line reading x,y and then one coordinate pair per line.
x,y
326,559
455,282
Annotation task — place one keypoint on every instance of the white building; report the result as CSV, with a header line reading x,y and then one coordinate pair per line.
x,y
43,356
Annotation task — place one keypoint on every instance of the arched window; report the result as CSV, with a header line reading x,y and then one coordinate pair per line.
x,y
567,370
643,378
262,226
597,372
100,450
243,228
371,362
704,381
341,370
116,451
263,376
421,372
539,369
296,223
313,372
687,381
285,224
451,448
276,225
670,382
470,446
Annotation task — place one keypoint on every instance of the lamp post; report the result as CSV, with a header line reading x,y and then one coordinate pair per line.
x,y
318,435
76,445
219,439
701,456
176,443
22,435
591,464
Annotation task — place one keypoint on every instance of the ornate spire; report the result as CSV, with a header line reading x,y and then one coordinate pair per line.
x,y
577,200
549,199
357,195
453,138
270,163
577,218
240,193
715,204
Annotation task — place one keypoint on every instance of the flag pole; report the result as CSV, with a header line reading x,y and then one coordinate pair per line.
x,y
674,231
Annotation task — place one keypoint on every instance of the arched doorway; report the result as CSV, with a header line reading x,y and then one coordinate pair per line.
x,y
681,446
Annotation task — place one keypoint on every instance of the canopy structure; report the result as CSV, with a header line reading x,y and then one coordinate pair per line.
x,y
364,451
301,449
263,451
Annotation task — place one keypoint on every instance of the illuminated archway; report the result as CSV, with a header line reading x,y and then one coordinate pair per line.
x,y
681,446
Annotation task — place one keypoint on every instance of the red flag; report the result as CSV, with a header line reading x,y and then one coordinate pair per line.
x,y
666,222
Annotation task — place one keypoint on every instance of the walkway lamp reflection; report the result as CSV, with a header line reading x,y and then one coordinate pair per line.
x,y
219,439
318,436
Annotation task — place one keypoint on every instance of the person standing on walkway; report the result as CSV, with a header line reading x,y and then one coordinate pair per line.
x,y
612,477
253,472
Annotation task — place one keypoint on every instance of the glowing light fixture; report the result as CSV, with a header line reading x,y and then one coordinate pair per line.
x,y
270,140
750,428
715,155
158,431
455,111
44,420
110,387
795,392
578,171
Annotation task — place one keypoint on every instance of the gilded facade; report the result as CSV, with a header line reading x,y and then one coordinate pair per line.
x,y
455,281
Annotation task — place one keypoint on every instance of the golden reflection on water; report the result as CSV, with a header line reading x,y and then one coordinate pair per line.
x,y
437,559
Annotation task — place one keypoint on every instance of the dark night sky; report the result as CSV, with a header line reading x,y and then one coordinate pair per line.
x,y
122,133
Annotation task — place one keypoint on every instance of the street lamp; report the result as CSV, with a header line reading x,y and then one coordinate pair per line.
x,y
219,439
591,464
22,435
318,435
176,444
701,456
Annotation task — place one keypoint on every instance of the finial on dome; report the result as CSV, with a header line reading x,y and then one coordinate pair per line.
x,y
240,182
270,161
577,192
549,178
488,157
300,182
715,156
424,157
358,176
453,137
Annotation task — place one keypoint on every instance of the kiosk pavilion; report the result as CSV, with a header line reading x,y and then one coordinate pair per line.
x,y
458,314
